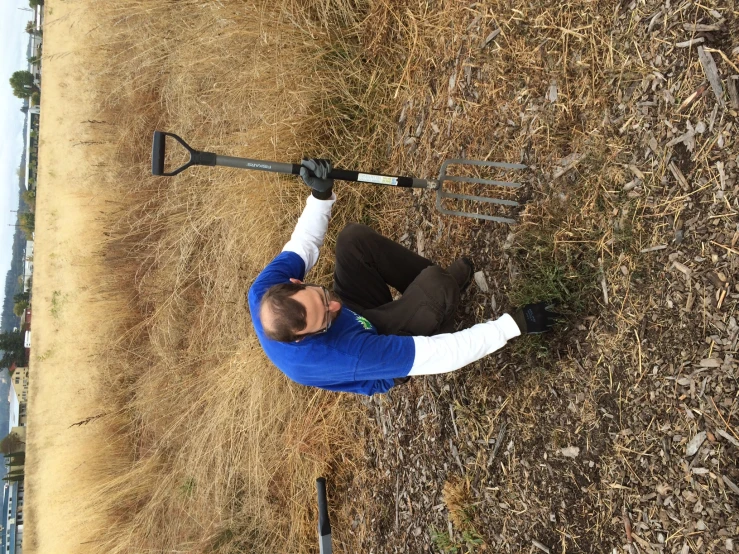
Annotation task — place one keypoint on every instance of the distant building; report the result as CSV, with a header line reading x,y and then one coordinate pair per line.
x,y
19,380
32,146
14,416
26,318
26,327
12,536
28,266
20,383
12,517
36,42
4,516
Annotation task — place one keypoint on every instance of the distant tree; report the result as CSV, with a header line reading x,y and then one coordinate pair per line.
x,y
35,98
11,343
31,29
27,218
27,222
20,307
34,3
22,297
29,197
11,443
22,84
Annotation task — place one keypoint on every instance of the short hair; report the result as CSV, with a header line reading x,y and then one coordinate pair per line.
x,y
288,315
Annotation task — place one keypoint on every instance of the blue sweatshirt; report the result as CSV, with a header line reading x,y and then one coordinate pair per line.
x,y
350,357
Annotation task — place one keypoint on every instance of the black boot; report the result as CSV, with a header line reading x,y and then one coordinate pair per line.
x,y
462,270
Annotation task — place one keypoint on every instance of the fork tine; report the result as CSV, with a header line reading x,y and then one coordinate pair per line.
x,y
481,181
501,201
441,194
462,161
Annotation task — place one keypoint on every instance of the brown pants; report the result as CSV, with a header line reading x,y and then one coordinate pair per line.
x,y
368,263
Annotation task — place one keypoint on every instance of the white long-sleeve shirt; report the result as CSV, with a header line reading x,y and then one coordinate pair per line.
x,y
433,355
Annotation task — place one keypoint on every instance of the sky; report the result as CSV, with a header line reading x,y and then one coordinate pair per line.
x,y
14,43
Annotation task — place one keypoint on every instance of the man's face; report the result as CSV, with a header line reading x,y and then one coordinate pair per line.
x,y
321,307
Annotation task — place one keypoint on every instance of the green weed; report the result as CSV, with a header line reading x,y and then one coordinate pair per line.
x,y
531,347
545,281
188,487
470,542
58,300
46,355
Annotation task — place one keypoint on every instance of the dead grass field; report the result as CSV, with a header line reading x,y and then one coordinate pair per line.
x,y
189,439
191,442
67,333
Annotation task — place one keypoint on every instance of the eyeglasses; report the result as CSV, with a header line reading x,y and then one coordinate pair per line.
x,y
326,301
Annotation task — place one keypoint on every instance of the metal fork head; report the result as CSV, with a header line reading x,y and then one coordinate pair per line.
x,y
441,194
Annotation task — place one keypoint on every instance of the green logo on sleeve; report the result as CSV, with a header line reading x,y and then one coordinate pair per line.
x,y
364,322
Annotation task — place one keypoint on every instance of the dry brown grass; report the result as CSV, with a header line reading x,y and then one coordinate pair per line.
x,y
221,451
457,499
211,448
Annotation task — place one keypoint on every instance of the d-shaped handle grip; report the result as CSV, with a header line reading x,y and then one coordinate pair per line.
x,y
158,151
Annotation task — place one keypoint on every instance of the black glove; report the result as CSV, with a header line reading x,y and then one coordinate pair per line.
x,y
314,172
533,319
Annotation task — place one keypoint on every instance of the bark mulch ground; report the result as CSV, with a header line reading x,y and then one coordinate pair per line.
x,y
620,431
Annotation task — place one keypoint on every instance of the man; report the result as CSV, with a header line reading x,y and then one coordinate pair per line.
x,y
357,338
